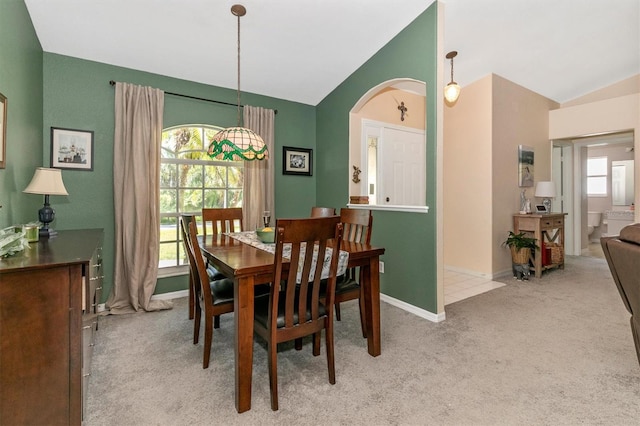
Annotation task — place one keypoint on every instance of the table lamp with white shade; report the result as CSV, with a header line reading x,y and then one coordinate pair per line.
x,y
546,190
46,182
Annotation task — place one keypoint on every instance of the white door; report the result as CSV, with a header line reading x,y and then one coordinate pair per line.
x,y
402,177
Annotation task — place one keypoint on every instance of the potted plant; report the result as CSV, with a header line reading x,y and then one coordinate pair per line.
x,y
521,247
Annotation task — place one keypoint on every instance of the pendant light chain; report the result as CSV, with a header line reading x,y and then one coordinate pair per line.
x,y
238,117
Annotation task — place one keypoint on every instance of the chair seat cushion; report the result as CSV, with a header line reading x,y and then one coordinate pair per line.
x,y
345,284
222,291
261,307
214,274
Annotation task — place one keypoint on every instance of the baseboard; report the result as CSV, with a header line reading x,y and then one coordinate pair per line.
x,y
413,309
171,295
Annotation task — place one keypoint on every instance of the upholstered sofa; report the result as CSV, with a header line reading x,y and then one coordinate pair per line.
x,y
623,256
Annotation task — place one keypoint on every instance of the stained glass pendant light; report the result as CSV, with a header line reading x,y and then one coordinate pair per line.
x,y
238,143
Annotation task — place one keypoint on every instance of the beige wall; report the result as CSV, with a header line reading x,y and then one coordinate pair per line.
x,y
625,87
467,165
482,133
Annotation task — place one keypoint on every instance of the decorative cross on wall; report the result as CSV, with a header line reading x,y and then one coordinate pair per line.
x,y
403,109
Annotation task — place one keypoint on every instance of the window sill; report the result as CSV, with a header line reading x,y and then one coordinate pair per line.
x,y
391,208
174,271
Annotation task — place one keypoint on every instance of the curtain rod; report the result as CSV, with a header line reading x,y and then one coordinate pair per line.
x,y
113,83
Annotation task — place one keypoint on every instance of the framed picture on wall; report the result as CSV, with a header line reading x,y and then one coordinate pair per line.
x,y
297,161
525,166
71,149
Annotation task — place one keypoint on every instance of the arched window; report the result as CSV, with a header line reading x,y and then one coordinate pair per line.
x,y
189,181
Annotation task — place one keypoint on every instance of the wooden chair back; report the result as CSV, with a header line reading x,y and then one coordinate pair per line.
x,y
279,320
198,268
322,211
357,224
222,220
185,220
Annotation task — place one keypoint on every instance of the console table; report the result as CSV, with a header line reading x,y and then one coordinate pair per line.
x,y
48,316
545,228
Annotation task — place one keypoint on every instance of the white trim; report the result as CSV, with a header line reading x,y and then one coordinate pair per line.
x,y
171,295
391,208
413,309
173,271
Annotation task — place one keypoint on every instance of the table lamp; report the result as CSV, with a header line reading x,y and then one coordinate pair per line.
x,y
546,191
46,182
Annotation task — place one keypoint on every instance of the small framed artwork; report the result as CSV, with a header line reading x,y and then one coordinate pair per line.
x,y
525,166
297,161
71,149
541,208
3,131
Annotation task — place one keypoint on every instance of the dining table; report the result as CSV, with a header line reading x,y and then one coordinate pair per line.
x,y
249,266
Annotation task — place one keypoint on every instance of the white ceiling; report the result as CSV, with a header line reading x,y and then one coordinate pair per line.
x,y
300,50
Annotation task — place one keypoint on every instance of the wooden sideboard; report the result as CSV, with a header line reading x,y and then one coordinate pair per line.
x,y
546,228
48,317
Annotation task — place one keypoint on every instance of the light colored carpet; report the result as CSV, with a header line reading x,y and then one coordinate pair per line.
x,y
551,351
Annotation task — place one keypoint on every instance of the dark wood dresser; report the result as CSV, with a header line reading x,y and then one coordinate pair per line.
x,y
48,318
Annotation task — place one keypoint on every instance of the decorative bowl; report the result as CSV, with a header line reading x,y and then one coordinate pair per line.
x,y
266,235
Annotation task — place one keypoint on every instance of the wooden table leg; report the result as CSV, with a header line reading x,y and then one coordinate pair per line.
x,y
243,305
371,288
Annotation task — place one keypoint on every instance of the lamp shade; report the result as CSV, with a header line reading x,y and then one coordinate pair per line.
x,y
46,182
236,144
545,190
451,92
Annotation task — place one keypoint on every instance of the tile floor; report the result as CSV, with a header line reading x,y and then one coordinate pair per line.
x,y
459,286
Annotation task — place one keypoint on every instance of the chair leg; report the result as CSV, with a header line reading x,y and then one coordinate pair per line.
x,y
330,355
208,337
272,349
298,344
216,321
316,344
338,312
196,323
192,298
363,323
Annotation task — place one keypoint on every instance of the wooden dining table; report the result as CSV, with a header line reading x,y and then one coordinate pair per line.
x,y
250,266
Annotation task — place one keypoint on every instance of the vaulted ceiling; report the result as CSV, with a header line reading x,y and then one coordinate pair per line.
x,y
300,50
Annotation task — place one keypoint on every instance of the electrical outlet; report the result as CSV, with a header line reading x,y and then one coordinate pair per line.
x,y
381,267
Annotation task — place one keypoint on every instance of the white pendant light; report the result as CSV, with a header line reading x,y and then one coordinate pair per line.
x,y
452,90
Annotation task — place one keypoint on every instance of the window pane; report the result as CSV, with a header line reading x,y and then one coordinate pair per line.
x,y
214,198
168,255
597,166
235,198
597,185
236,177
190,200
168,199
168,229
215,176
190,176
168,174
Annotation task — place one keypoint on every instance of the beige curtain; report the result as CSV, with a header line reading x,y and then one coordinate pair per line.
x,y
136,192
258,191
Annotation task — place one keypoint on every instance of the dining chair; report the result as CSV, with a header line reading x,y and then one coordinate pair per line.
x,y
222,220
277,316
212,272
214,298
322,211
358,224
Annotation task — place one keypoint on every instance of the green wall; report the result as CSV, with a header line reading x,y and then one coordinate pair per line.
x,y
409,238
21,83
77,95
